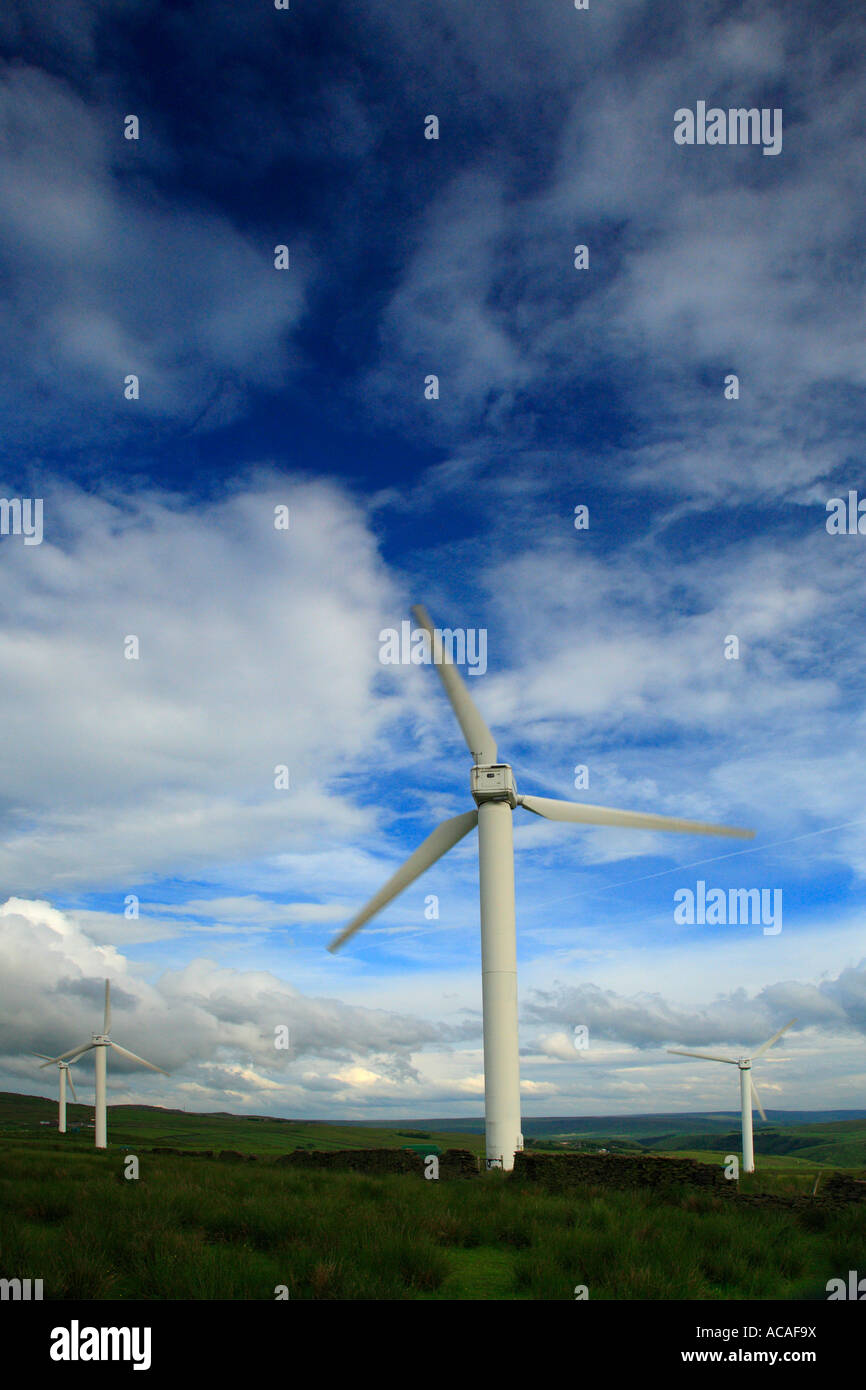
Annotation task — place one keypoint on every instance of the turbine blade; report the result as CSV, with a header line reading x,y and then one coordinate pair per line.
x,y
107,1025
43,1055
707,1056
479,739
125,1052
633,820
68,1056
756,1098
71,1087
443,838
774,1038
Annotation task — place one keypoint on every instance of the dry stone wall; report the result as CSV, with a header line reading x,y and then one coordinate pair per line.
x,y
454,1163
617,1171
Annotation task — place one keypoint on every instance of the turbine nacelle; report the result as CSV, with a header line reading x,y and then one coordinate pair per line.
x,y
493,782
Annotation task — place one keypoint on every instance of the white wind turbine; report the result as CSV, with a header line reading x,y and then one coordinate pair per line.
x,y
63,1068
748,1089
495,794
99,1044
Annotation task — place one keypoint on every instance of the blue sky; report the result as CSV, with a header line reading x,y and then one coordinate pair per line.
x,y
305,388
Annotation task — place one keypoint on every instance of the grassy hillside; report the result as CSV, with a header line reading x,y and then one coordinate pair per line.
x,y
209,1230
645,1128
792,1142
150,1126
840,1143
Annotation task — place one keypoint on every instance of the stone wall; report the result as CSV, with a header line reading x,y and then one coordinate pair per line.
x,y
839,1186
555,1171
458,1163
454,1163
184,1153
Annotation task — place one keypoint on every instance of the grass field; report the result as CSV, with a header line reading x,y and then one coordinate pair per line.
x,y
202,1229
837,1143
147,1126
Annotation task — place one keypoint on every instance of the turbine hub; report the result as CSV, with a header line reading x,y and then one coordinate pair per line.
x,y
493,782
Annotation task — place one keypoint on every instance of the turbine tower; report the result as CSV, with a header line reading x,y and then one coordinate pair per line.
x,y
495,794
63,1068
99,1044
748,1089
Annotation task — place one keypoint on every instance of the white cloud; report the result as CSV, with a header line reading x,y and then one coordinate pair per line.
x,y
213,1029
257,649
208,1025
703,262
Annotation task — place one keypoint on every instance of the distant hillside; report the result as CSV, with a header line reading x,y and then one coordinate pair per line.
x,y
643,1127
151,1126
649,1129
814,1137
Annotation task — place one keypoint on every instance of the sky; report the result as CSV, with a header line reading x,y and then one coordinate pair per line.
x,y
245,475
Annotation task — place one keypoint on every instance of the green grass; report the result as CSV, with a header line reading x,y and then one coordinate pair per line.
x,y
833,1143
769,1163
201,1229
149,1126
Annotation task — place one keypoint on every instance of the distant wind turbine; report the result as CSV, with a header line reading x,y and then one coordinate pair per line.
x,y
63,1068
748,1089
495,794
100,1042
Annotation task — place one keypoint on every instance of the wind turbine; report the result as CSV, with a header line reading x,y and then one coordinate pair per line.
x,y
99,1044
495,794
748,1089
63,1068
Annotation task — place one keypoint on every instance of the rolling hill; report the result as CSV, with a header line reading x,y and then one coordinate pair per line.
x,y
816,1138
